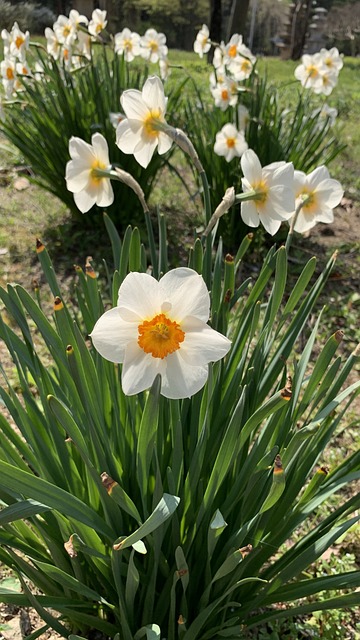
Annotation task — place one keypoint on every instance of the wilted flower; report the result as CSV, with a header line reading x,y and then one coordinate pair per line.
x,y
153,46
159,327
128,43
202,42
273,199
145,110
230,142
98,22
81,176
319,194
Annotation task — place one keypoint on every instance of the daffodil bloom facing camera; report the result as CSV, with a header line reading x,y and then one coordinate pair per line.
x,y
271,192
230,142
141,133
319,194
83,173
160,327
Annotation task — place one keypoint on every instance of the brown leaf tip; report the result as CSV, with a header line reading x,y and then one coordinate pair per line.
x,y
339,335
39,246
107,482
246,550
278,468
69,547
58,305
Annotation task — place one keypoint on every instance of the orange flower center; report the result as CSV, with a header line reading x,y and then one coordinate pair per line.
x,y
232,51
310,201
312,71
9,73
225,94
230,142
160,336
19,41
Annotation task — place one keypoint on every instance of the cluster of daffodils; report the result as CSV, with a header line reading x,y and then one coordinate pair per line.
x,y
319,72
16,45
70,38
271,194
151,46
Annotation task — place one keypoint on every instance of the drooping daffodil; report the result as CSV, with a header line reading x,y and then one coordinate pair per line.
x,y
160,327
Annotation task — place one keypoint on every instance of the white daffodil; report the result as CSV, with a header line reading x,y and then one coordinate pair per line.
x,y
231,48
6,38
273,185
202,42
310,70
159,327
8,74
53,45
153,46
326,83
76,19
145,110
319,194
325,113
83,44
230,142
332,59
128,43
81,175
64,30
116,117
164,68
98,22
225,94
242,65
21,70
218,58
20,41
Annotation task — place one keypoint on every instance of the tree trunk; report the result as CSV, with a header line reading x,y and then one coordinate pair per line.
x,y
237,20
215,25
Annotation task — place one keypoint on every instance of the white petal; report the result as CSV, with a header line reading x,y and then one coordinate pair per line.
x,y
139,369
133,105
76,175
249,213
187,292
144,151
304,222
101,148
164,143
111,335
105,196
153,94
78,148
299,182
202,344
318,175
126,139
141,294
251,167
270,224
180,379
85,199
281,202
330,193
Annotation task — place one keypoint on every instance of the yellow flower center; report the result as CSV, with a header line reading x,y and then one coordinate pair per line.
x,y
232,51
312,71
66,31
9,73
128,45
205,41
310,201
99,27
160,336
245,65
225,94
153,45
150,123
19,41
262,190
329,62
230,142
97,164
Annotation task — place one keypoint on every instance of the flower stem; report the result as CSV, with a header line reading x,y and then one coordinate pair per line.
x,y
292,226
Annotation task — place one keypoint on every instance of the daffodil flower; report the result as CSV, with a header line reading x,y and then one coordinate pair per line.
x,y
160,327
319,195
230,142
83,173
271,192
202,42
140,133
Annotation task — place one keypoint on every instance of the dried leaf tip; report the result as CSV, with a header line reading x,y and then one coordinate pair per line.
x,y
39,246
181,619
246,550
58,305
69,350
69,547
278,467
339,335
107,482
89,268
324,470
356,352
229,258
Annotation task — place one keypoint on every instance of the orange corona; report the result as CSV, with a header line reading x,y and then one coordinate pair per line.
x,y
160,336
